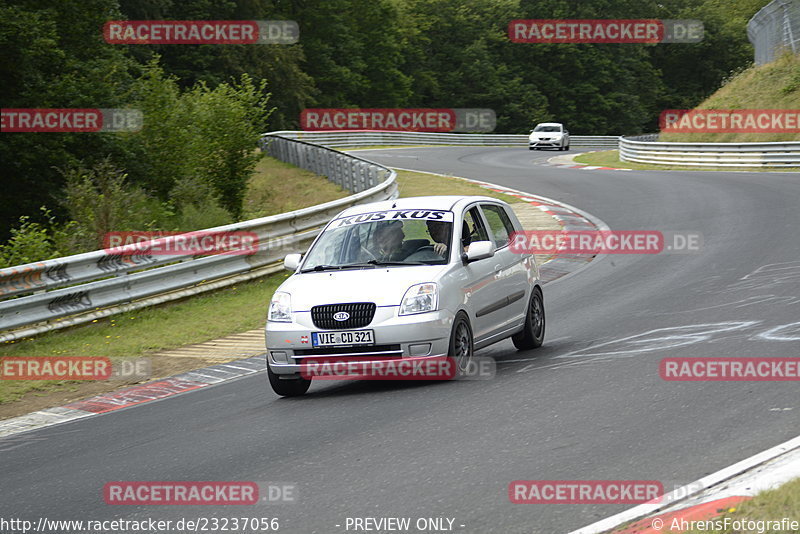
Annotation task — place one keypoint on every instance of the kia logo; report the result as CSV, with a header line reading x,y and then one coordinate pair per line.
x,y
341,316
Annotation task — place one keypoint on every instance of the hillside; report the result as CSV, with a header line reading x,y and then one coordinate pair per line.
x,y
772,86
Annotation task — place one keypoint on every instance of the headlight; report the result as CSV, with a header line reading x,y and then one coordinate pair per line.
x,y
420,298
280,308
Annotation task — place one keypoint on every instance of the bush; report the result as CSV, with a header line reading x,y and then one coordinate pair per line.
x,y
29,242
197,206
99,201
205,137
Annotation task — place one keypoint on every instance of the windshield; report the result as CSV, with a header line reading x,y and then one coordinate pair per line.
x,y
414,237
550,128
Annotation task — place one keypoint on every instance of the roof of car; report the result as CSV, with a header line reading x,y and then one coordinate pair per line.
x,y
550,124
441,202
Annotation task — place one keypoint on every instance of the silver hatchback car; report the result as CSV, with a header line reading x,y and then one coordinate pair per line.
x,y
420,277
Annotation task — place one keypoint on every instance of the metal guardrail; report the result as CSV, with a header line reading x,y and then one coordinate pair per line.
x,y
647,149
66,291
62,292
356,139
774,29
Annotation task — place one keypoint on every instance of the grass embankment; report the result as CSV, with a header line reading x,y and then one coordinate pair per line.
x,y
275,188
278,187
772,86
775,85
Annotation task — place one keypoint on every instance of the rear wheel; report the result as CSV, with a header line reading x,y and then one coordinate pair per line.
x,y
288,387
461,346
532,335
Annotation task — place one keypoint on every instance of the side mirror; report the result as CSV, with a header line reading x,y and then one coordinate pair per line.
x,y
566,132
292,261
478,250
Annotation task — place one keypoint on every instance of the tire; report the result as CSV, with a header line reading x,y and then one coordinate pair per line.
x,y
292,387
532,334
566,148
531,148
461,343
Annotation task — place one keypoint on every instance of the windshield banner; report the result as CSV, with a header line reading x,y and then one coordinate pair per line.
x,y
395,215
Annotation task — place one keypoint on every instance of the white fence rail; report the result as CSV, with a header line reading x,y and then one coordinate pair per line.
x,y
355,139
51,294
647,149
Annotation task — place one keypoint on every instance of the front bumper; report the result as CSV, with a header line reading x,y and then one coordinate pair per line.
x,y
545,143
407,336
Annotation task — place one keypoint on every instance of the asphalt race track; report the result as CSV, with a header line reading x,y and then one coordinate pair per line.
x,y
588,405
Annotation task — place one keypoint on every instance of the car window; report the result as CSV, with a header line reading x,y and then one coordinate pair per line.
x,y
499,224
549,128
472,228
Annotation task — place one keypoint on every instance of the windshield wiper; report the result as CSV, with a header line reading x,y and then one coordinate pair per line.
x,y
370,263
322,268
382,262
336,267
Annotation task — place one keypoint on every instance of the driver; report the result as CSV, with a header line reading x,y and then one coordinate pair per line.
x,y
389,238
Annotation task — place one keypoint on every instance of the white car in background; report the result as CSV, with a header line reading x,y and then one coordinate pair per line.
x,y
419,277
549,135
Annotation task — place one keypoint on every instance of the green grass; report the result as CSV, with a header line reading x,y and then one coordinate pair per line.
x,y
610,158
775,85
278,187
414,184
771,505
201,318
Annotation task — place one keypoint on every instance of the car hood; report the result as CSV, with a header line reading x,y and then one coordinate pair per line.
x,y
385,286
545,135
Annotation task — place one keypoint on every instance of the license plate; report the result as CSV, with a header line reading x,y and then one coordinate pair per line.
x,y
344,337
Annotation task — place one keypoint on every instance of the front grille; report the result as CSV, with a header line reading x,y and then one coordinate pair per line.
x,y
361,314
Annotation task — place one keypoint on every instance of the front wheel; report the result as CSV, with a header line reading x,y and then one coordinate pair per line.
x,y
532,335
461,346
291,387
